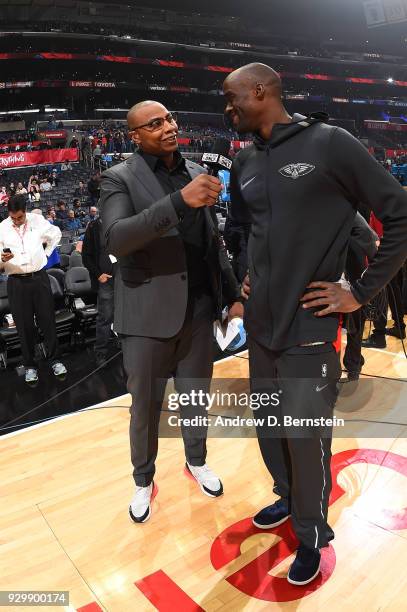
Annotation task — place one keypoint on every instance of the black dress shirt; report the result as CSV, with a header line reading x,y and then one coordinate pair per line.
x,y
192,223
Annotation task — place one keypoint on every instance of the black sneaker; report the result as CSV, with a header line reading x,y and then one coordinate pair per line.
x,y
305,567
272,516
395,332
375,341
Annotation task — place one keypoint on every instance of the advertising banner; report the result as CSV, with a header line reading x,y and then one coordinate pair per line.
x,y
35,158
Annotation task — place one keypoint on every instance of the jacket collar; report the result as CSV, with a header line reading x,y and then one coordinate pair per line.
x,y
284,131
143,173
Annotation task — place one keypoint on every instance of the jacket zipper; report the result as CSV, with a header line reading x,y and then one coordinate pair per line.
x,y
268,149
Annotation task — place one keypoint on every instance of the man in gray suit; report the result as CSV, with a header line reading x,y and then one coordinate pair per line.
x,y
173,279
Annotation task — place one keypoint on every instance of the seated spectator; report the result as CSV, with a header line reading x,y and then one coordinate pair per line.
x,y
3,195
34,194
21,190
66,165
45,185
93,214
81,191
32,183
54,179
61,212
72,224
78,210
33,180
51,217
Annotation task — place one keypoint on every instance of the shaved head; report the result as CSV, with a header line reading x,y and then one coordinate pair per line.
x,y
254,99
138,110
255,74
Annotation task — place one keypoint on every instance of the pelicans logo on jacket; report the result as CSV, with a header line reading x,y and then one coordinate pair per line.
x,y
295,171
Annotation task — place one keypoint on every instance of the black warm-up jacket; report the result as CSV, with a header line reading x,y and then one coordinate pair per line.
x,y
296,196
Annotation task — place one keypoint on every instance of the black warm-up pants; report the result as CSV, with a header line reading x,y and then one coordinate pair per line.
x,y
31,296
298,457
353,359
395,302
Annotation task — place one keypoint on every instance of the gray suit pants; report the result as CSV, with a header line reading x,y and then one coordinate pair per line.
x,y
149,362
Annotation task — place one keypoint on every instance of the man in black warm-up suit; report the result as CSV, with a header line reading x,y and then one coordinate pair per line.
x,y
173,279
297,188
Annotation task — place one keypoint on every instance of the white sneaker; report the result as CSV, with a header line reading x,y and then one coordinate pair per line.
x,y
140,506
209,483
58,368
31,375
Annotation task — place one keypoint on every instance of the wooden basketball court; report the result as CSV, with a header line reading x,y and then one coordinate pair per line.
x,y
64,525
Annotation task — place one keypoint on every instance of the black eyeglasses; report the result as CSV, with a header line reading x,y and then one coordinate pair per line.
x,y
157,123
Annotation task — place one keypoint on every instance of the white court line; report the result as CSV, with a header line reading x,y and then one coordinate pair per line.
x,y
384,351
62,416
101,404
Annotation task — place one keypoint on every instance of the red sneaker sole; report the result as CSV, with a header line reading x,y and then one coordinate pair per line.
x,y
189,475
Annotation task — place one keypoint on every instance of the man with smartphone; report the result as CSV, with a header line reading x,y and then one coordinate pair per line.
x,y
24,256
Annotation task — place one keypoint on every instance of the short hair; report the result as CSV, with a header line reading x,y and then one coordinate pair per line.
x,y
139,105
16,203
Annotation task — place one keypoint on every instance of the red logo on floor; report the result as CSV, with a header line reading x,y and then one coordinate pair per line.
x,y
254,579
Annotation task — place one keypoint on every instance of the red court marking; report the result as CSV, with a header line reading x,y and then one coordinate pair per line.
x,y
254,579
92,607
165,595
390,519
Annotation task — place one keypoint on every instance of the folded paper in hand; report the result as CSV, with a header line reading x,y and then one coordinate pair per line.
x,y
230,333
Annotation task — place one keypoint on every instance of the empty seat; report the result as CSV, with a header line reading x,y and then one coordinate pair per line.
x,y
64,317
59,275
78,286
75,260
66,248
64,261
9,338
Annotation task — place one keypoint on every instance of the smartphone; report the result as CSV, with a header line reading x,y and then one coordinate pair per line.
x,y
7,250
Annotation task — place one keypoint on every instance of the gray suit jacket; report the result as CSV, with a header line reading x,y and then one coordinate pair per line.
x,y
140,225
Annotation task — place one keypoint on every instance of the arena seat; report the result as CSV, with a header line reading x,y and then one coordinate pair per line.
x,y
9,339
78,285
